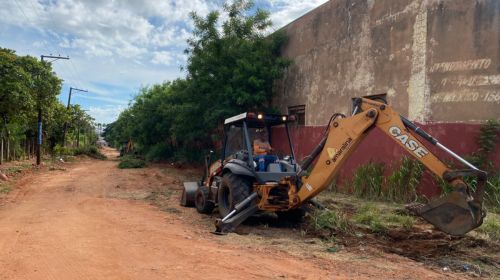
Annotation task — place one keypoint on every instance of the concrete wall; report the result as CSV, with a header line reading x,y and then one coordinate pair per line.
x,y
437,61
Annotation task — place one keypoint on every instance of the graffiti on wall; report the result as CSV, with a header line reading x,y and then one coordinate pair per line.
x,y
454,66
472,81
470,88
489,96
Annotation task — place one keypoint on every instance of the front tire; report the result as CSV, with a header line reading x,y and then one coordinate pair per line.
x,y
233,189
203,205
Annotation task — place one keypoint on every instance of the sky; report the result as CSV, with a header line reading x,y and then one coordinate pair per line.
x,y
115,47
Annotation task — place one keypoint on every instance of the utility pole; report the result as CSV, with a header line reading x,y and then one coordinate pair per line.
x,y
39,140
69,102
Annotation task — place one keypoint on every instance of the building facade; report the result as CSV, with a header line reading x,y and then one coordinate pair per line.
x,y
436,61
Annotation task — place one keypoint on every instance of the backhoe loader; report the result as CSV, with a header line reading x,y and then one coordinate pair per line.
x,y
240,187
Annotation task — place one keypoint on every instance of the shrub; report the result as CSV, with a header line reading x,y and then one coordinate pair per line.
x,y
62,151
91,151
131,162
158,152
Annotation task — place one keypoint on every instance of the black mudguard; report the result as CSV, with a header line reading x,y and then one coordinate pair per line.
x,y
238,167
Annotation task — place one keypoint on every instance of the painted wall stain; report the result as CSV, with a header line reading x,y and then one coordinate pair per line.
x,y
418,89
391,17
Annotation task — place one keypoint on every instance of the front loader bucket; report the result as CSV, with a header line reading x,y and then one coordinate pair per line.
x,y
456,214
189,193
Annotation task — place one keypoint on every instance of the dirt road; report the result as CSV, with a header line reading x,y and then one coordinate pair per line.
x,y
80,223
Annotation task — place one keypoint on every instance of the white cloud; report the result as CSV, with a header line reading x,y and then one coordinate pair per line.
x,y
286,11
163,57
115,47
127,29
106,114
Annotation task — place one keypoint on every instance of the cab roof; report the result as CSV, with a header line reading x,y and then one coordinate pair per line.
x,y
257,119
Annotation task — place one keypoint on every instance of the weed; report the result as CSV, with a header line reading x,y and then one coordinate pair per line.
x,y
335,221
379,221
403,182
487,141
367,181
491,227
14,169
5,189
333,249
404,221
131,162
370,215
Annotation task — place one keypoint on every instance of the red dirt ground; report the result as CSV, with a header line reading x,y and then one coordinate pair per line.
x,y
93,221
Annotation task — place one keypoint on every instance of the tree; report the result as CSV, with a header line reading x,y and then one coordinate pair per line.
x,y
26,86
231,68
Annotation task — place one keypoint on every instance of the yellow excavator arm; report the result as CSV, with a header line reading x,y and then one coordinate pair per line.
x,y
457,213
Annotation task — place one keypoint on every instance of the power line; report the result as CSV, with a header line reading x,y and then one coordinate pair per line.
x,y
71,75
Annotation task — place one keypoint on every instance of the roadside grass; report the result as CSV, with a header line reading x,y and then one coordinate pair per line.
x,y
350,215
333,221
379,221
67,153
131,162
4,188
14,169
491,227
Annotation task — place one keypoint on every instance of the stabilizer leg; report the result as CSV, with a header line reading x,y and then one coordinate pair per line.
x,y
226,226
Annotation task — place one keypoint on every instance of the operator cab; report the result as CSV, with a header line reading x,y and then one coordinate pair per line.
x,y
248,143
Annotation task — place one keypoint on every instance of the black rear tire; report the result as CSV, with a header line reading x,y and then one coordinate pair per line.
x,y
203,205
233,189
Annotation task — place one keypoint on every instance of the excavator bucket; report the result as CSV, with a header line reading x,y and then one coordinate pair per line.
x,y
456,213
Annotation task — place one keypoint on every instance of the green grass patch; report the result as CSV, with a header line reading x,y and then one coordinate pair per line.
x,y
333,220
491,227
370,216
131,162
5,189
14,169
398,220
380,221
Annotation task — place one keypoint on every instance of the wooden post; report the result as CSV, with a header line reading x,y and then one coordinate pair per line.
x,y
1,152
8,149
